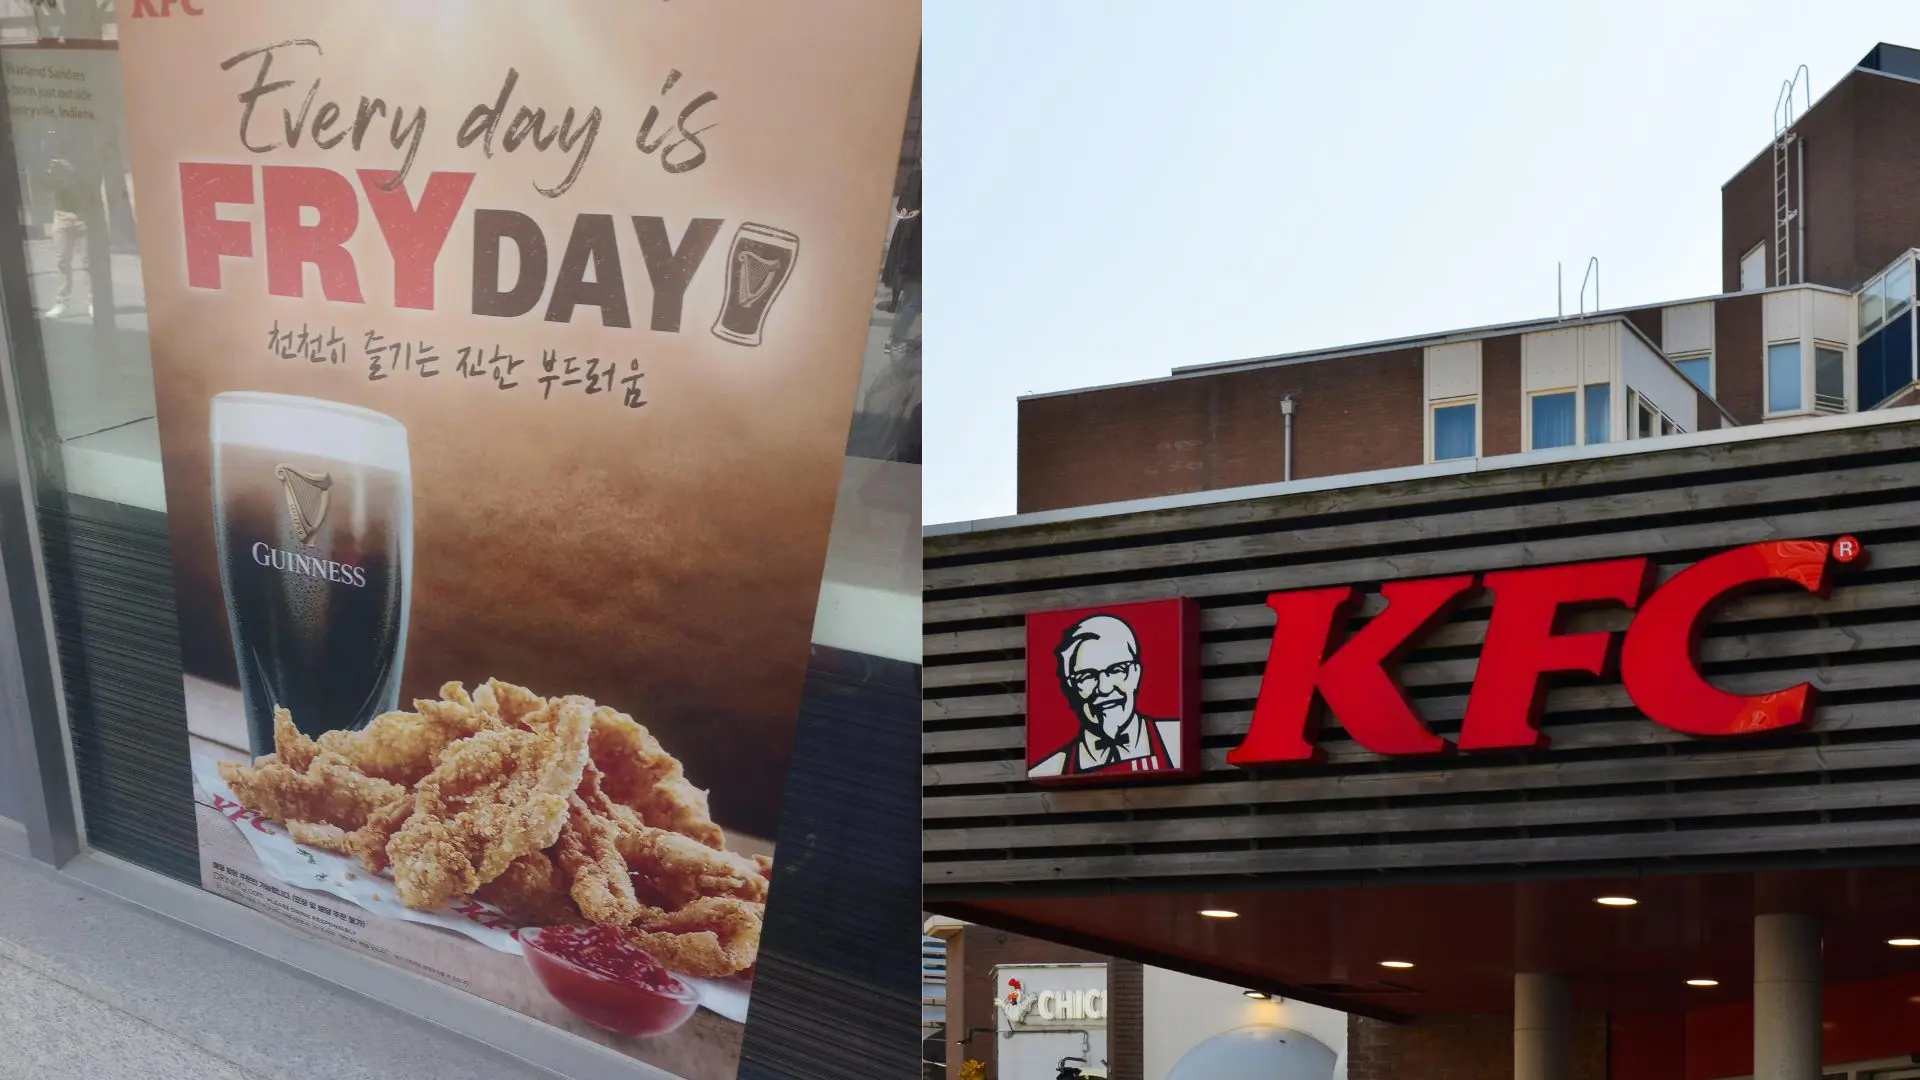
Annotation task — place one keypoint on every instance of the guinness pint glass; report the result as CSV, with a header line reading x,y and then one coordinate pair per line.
x,y
758,266
313,519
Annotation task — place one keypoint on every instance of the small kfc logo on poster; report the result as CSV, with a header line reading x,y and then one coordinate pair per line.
x,y
1113,693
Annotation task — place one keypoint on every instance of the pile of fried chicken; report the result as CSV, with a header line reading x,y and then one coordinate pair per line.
x,y
557,812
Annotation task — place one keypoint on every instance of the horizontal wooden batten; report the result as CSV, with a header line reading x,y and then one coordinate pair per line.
x,y
1612,786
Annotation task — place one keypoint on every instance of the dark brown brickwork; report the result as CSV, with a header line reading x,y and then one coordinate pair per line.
x,y
1887,140
1126,1020
1650,322
1738,357
1460,1048
1709,416
972,954
1500,395
1862,154
1352,414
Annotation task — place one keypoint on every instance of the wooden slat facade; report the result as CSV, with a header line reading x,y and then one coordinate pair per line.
x,y
1613,793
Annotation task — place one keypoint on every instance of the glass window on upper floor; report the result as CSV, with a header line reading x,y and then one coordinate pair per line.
x,y
1784,385
1599,427
1829,378
1456,431
1699,368
1886,295
1555,420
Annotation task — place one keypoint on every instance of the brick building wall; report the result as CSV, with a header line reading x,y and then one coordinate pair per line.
x,y
1460,1048
1126,1020
1862,153
1219,431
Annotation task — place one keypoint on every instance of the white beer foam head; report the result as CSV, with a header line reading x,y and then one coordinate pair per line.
x,y
303,425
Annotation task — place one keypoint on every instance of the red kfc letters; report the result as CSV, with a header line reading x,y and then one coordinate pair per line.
x,y
1658,657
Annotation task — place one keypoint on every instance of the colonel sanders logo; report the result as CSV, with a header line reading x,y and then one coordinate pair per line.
x,y
1120,674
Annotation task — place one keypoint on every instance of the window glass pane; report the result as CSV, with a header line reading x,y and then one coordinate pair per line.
x,y
1453,432
1872,305
1899,288
1553,420
1783,378
1699,369
1829,379
1599,416
1649,422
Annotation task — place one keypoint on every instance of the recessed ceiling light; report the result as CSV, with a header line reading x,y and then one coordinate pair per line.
x,y
1616,901
1703,982
1255,995
1904,942
1219,913
1396,964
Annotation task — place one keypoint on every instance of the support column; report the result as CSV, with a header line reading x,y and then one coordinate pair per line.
x,y
1541,1020
1786,997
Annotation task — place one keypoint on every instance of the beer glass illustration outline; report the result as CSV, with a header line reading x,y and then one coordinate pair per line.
x,y
760,262
313,526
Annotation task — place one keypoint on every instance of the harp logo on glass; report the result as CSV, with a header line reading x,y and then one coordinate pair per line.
x,y
308,496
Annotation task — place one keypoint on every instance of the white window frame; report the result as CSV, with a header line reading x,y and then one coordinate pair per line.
x,y
1806,378
1757,249
1579,416
1713,373
1479,426
1847,377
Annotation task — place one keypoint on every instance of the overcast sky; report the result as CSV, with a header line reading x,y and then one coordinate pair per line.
x,y
1115,188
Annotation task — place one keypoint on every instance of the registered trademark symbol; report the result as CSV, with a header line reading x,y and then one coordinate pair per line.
x,y
1847,549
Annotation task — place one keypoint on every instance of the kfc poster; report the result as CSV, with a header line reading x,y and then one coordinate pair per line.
x,y
505,356
1113,693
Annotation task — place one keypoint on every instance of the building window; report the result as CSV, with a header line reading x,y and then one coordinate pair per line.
x,y
1647,420
1829,379
1455,431
1699,368
1783,378
1753,268
1555,420
1599,418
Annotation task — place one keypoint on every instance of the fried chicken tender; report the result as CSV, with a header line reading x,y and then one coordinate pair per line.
x,y
641,775
367,843
674,869
590,863
489,800
328,790
532,892
402,746
713,937
291,746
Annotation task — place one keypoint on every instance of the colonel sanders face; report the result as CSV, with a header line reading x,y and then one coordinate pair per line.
x,y
1100,670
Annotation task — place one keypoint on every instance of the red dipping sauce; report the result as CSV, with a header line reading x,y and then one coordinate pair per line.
x,y
608,981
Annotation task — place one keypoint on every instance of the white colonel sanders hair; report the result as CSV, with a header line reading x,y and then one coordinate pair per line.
x,y
1094,628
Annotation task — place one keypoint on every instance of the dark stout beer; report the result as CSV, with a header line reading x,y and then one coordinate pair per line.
x,y
314,560
758,266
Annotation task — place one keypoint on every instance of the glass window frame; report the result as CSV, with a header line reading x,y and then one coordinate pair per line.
x,y
1801,377
1683,359
1832,403
1574,395
1588,424
1434,409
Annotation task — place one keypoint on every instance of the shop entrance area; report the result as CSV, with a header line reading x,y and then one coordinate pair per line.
x,y
1644,977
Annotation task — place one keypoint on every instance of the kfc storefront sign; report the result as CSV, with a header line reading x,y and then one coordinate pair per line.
x,y
1113,693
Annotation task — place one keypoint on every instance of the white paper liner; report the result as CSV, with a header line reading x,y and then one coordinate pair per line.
x,y
342,876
